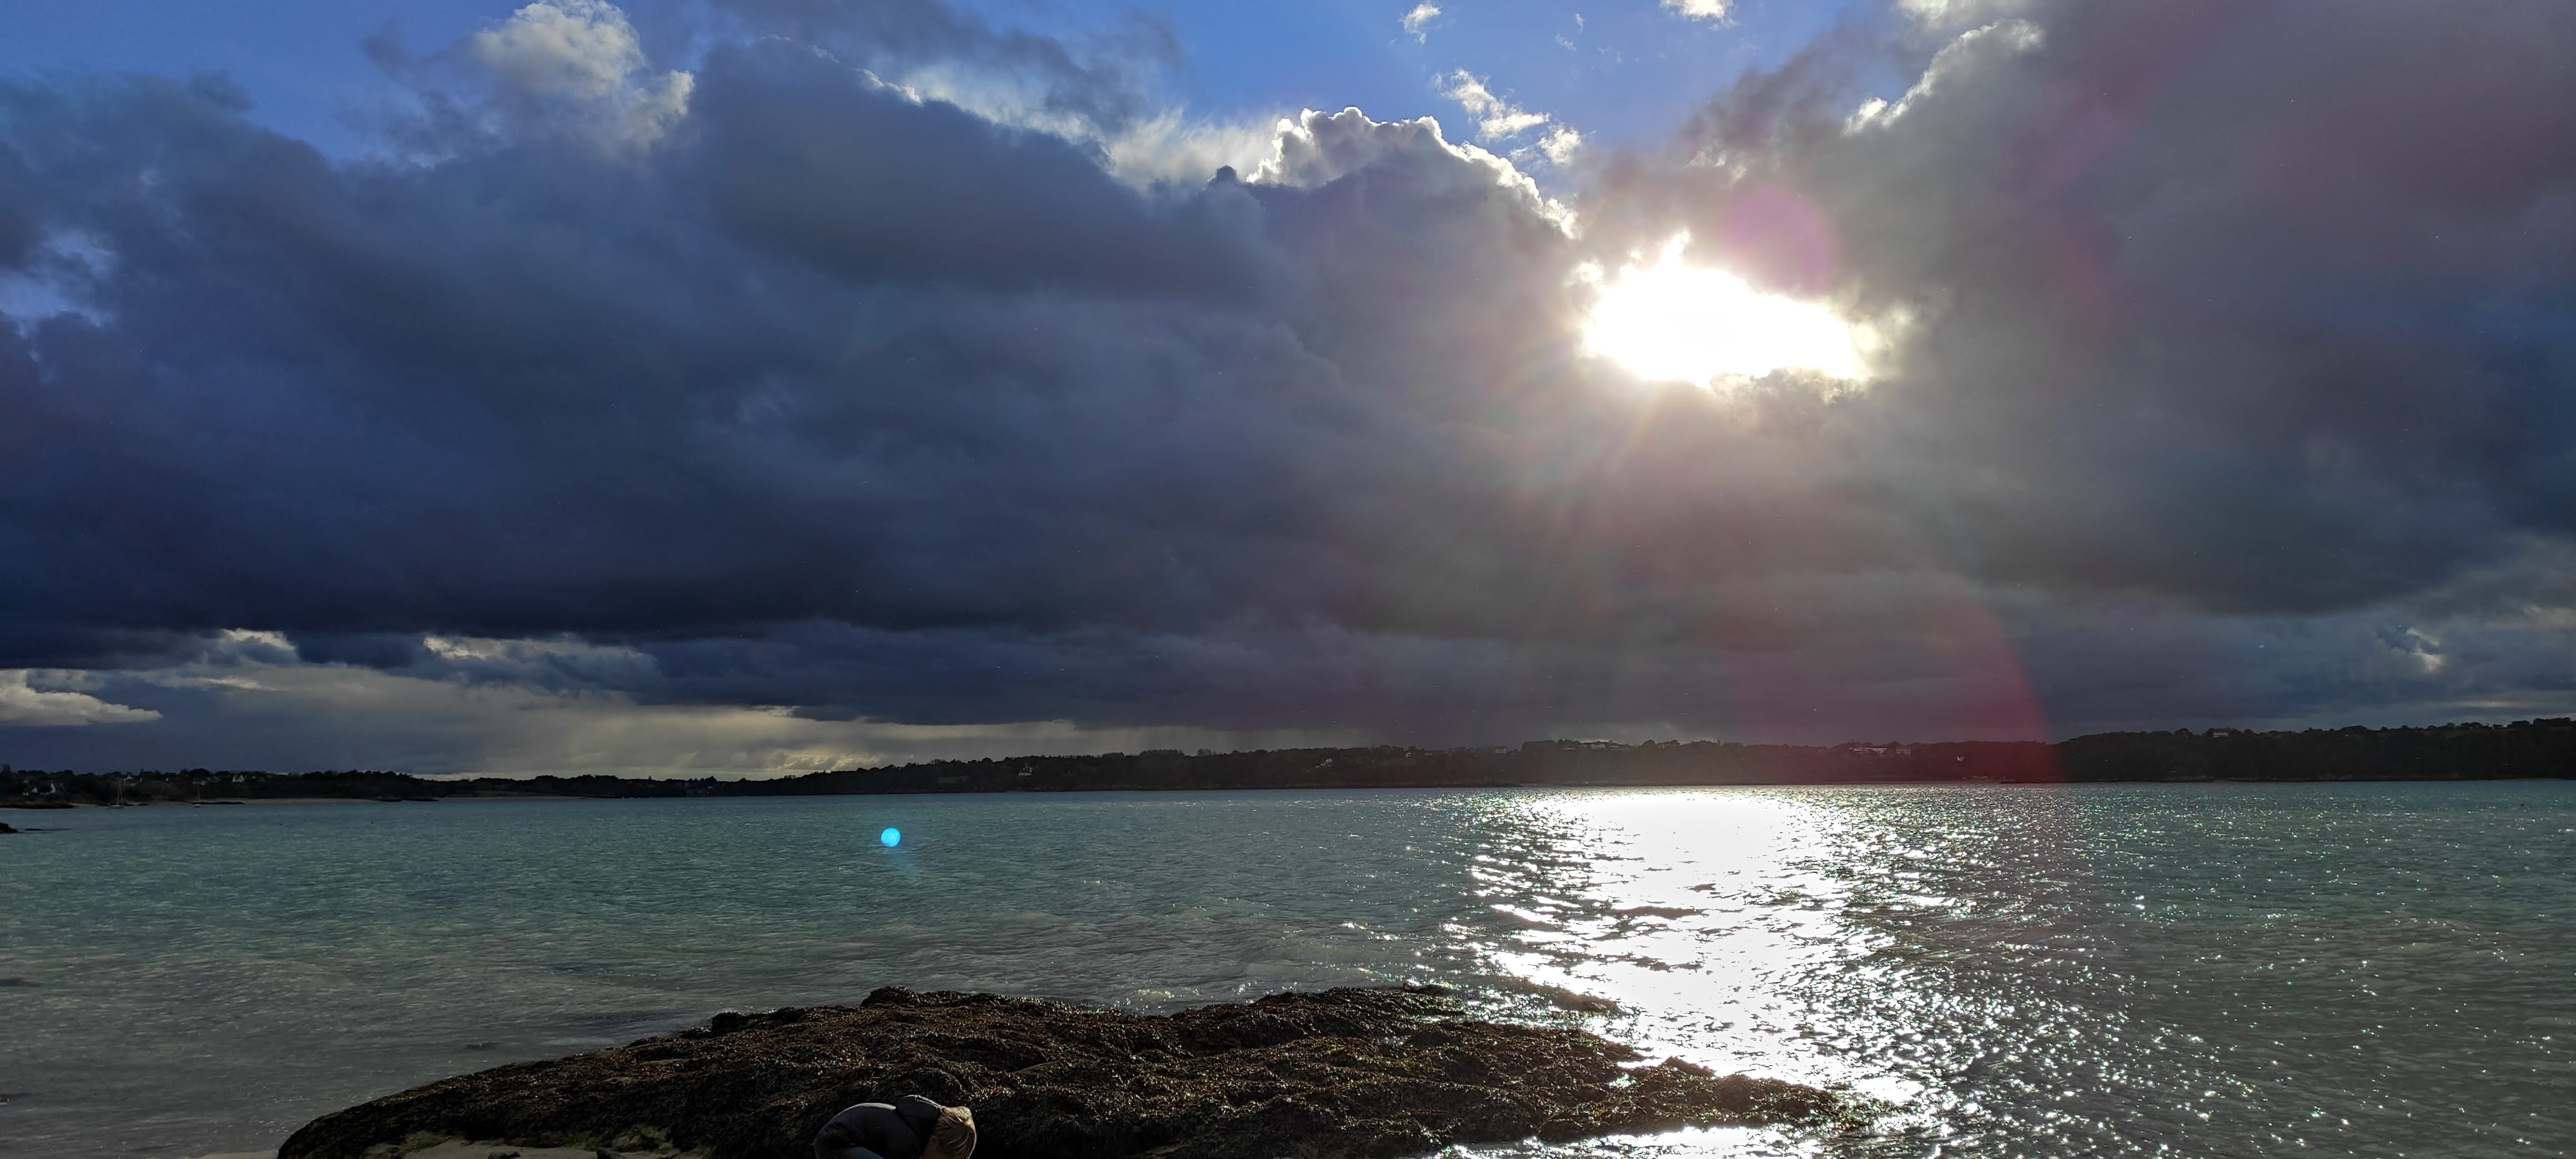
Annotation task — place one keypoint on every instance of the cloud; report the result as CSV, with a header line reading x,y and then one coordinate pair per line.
x,y
582,55
1417,21
1096,89
2083,231
1970,51
23,704
1713,11
2230,390
791,142
1498,119
580,47
1940,14
1560,144
450,715
1168,149
1495,117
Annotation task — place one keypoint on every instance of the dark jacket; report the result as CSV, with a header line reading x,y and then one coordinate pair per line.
x,y
899,1131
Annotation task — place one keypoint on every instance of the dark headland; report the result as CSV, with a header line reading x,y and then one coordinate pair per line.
x,y
1355,1073
2529,749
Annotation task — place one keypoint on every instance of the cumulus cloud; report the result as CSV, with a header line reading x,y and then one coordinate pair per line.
x,y
583,55
580,47
2231,390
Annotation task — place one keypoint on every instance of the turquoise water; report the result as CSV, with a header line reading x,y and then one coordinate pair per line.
x,y
2096,970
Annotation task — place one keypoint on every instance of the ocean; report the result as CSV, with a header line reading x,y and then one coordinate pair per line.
x,y
2180,970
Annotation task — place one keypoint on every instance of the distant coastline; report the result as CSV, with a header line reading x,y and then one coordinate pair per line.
x,y
2532,749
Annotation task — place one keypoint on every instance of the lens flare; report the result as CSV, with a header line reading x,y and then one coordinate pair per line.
x,y
1675,321
891,837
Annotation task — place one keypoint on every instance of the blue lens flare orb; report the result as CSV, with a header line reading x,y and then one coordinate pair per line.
x,y
891,837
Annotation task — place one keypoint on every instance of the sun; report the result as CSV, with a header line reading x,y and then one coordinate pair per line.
x,y
1675,321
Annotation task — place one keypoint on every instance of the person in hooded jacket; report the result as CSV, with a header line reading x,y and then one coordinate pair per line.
x,y
909,1128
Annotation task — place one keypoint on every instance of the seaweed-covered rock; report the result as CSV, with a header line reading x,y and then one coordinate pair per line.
x,y
1360,1073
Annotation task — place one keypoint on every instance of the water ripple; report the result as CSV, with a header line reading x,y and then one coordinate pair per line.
x,y
2103,970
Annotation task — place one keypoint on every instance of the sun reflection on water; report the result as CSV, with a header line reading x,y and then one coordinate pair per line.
x,y
1683,911
1755,931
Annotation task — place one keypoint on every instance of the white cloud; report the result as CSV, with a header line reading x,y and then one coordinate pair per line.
x,y
1871,112
1498,120
1495,117
1560,144
1956,13
1711,10
584,54
1418,21
23,703
480,648
257,638
1166,148
575,46
1316,148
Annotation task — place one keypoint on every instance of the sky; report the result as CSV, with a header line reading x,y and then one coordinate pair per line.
x,y
753,386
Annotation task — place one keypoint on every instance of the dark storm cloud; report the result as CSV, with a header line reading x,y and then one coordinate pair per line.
x,y
2221,373
825,166
370,397
19,229
2260,304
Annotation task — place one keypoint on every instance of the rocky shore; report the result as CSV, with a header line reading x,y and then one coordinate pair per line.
x,y
1358,1073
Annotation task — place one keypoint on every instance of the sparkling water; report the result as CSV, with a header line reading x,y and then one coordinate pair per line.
x,y
2043,971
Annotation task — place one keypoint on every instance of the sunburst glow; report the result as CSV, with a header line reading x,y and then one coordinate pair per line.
x,y
1672,320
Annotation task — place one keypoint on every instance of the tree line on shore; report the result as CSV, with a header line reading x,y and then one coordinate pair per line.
x,y
2544,748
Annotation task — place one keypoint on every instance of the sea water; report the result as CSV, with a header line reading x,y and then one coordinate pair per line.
x,y
2184,970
